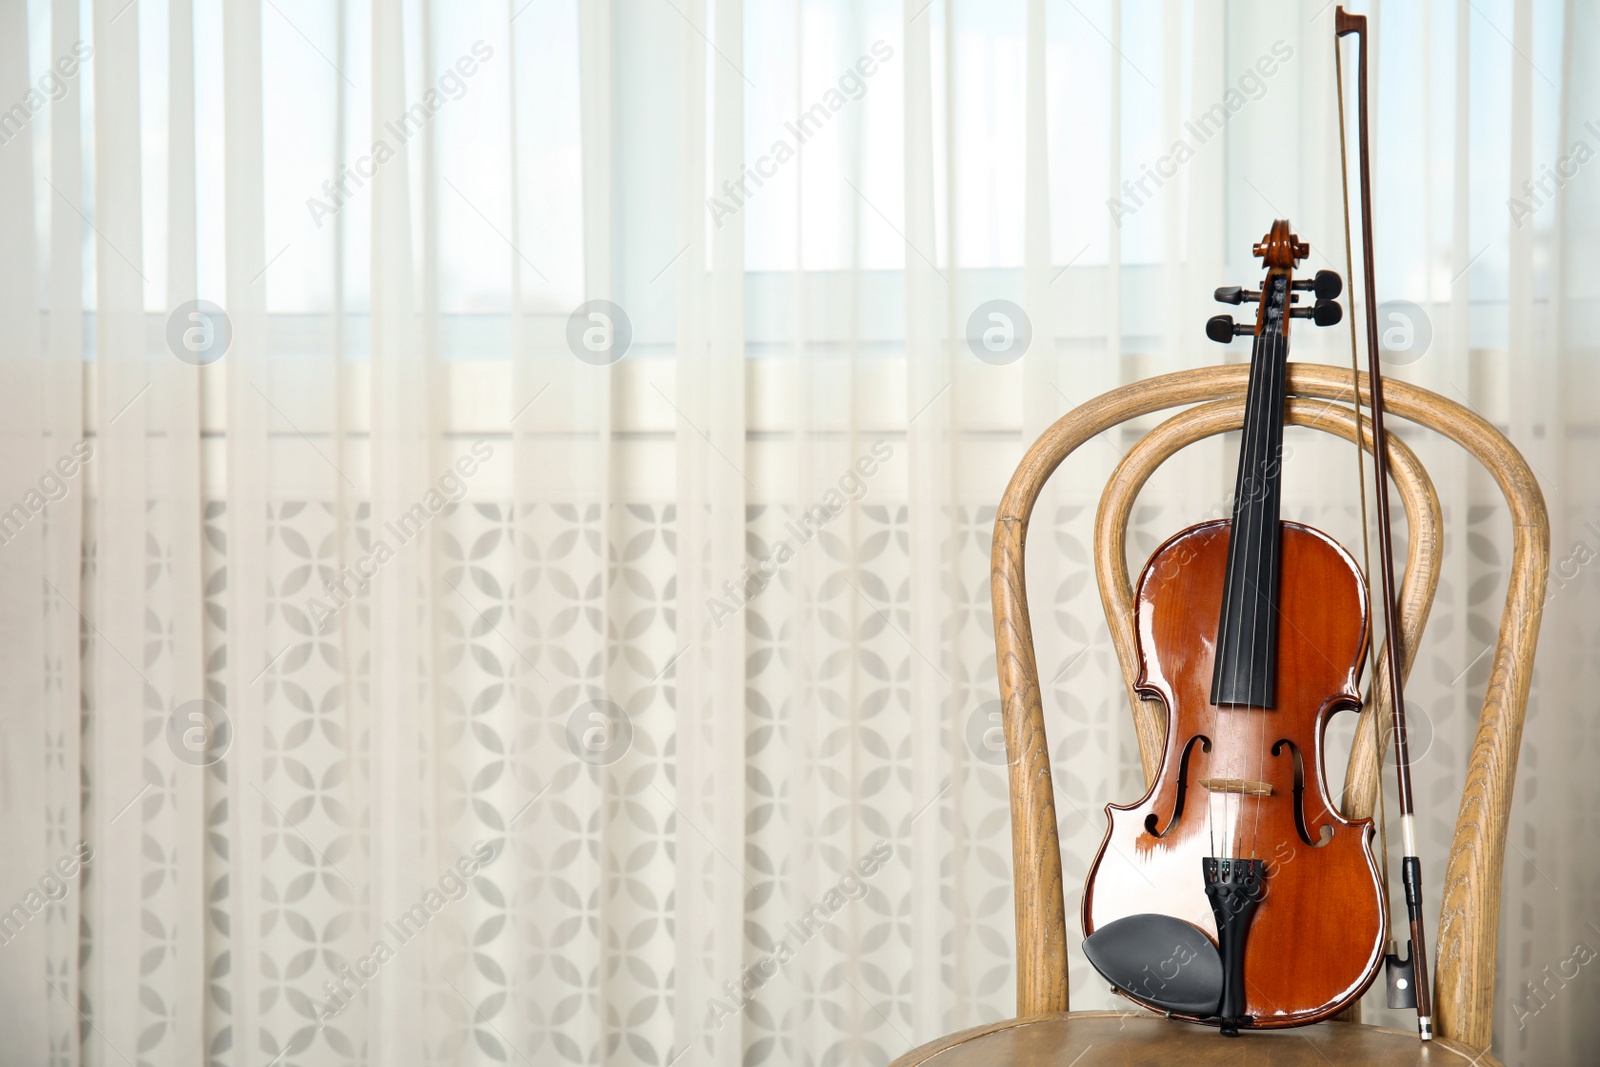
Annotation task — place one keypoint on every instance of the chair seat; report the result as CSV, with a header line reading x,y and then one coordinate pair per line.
x,y
1136,1039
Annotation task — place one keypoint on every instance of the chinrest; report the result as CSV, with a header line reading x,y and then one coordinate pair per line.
x,y
1161,961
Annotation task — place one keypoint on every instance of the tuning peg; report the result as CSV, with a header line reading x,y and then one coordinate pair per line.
x,y
1326,284
1222,329
1323,313
1233,294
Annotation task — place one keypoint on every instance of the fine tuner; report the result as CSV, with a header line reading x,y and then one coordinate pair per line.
x,y
1325,285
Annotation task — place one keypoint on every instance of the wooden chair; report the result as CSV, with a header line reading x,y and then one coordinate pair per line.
x,y
1045,1032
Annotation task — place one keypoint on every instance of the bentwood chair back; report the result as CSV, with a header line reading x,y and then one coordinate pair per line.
x,y
1045,1032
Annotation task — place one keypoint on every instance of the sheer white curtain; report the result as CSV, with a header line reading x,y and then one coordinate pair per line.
x,y
544,618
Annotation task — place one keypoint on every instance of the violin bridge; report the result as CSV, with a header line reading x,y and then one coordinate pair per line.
x,y
1247,786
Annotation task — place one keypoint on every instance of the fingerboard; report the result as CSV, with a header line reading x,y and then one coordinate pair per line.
x,y
1246,665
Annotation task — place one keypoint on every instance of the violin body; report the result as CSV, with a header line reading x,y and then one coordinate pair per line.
x,y
1249,780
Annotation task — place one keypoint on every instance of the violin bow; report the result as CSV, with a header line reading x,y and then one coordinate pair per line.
x,y
1408,979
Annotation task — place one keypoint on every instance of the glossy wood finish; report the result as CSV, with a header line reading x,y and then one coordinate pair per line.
x,y
1139,1039
1423,546
1318,937
1470,906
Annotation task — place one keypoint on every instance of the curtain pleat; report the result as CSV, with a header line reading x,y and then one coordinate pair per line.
x,y
401,457
250,383
928,409
122,690
181,388
63,626
23,461
709,404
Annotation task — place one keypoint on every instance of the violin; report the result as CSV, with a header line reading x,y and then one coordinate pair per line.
x,y
1234,893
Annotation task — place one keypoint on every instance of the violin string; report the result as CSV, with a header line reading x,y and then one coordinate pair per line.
x,y
1281,367
1241,529
1241,506
1272,544
1228,612
1211,808
1255,535
1272,540
1277,545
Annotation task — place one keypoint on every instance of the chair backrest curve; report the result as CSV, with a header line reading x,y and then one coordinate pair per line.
x,y
1470,893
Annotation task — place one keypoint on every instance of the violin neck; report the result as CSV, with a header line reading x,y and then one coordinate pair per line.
x,y
1246,665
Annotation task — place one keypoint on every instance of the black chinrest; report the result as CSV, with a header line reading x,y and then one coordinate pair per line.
x,y
1160,961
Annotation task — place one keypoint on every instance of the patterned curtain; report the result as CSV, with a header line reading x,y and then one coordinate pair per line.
x,y
496,498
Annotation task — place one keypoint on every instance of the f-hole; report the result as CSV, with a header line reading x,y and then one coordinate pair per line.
x,y
1324,833
1183,787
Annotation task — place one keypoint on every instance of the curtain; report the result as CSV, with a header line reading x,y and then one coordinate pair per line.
x,y
497,497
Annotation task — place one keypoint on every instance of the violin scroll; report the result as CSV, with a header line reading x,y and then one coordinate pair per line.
x,y
1280,251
